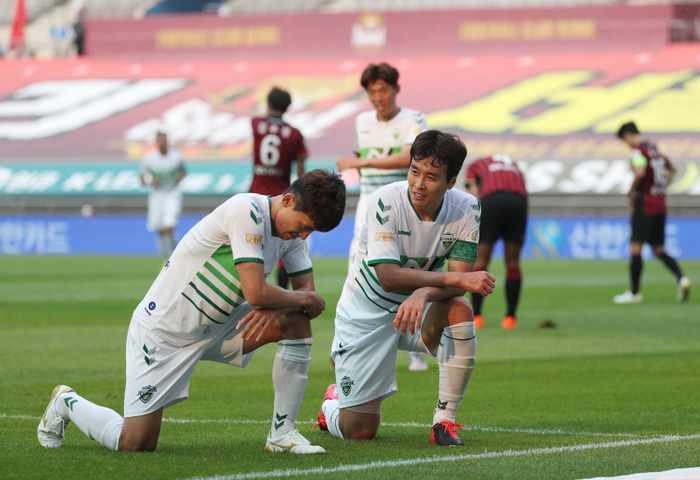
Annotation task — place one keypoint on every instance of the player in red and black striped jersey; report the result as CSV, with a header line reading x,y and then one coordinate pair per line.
x,y
499,184
276,145
647,196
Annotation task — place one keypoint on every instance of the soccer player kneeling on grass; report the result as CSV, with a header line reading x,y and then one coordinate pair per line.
x,y
211,302
397,297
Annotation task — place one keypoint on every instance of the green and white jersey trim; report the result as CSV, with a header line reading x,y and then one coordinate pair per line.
x,y
219,287
199,287
375,139
394,233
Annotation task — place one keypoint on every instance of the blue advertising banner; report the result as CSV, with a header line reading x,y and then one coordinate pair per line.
x,y
581,238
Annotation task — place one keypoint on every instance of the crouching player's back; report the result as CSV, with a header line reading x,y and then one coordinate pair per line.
x,y
397,296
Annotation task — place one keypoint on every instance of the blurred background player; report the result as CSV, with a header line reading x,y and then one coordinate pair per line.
x,y
397,296
162,170
500,186
647,196
383,139
276,145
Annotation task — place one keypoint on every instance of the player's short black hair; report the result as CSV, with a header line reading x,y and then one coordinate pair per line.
x,y
279,99
383,71
320,194
628,127
440,149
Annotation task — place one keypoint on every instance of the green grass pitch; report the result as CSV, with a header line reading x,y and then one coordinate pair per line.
x,y
612,390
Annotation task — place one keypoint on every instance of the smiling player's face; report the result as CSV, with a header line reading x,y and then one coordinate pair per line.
x,y
427,185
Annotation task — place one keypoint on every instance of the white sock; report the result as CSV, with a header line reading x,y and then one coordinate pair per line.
x,y
289,376
99,423
169,244
455,358
331,410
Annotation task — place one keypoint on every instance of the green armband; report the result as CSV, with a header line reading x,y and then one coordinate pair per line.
x,y
463,251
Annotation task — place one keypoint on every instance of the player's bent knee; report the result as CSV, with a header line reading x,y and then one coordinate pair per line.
x,y
459,310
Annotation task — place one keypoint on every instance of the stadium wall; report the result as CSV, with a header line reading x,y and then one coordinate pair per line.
x,y
578,238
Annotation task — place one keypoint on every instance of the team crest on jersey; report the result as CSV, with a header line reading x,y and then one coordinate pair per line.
x,y
346,385
474,234
447,238
146,393
252,238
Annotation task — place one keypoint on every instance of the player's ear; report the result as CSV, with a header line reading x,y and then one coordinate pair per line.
x,y
398,88
452,182
289,200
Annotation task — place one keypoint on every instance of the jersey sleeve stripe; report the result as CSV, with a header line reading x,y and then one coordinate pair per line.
x,y
248,259
302,272
200,310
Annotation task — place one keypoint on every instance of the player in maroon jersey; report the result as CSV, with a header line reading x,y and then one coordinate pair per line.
x,y
275,146
647,195
500,186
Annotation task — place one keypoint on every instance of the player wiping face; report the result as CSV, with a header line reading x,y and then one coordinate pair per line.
x,y
427,184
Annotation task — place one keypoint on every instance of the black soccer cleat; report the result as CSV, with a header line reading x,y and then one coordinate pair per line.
x,y
444,434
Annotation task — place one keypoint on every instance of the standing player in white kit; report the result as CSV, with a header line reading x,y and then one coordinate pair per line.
x,y
162,170
383,139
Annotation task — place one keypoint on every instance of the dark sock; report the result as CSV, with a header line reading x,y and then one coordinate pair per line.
x,y
513,282
672,265
477,300
636,272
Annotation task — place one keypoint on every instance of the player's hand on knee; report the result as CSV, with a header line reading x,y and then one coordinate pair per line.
x,y
258,321
410,314
481,282
315,304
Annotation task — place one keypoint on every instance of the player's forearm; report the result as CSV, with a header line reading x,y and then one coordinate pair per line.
x,y
408,279
437,294
272,296
397,160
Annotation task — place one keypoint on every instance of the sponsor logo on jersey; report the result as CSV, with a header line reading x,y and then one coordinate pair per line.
x,y
404,232
146,393
447,238
346,385
473,235
384,237
252,238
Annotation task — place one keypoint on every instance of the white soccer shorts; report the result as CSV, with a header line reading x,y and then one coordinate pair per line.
x,y
365,358
158,373
164,208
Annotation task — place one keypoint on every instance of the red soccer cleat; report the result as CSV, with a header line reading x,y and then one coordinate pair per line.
x,y
444,434
330,395
509,322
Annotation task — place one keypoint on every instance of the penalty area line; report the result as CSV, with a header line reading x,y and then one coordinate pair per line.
x,y
297,472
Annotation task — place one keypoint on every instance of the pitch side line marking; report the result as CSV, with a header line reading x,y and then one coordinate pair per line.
x,y
398,425
295,472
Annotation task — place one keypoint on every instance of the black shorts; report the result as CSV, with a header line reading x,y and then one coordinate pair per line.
x,y
648,228
503,215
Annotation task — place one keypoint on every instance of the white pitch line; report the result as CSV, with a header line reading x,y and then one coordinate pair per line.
x,y
386,424
296,472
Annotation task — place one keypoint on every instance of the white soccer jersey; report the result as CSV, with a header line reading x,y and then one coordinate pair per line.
x,y
394,233
163,167
375,139
199,287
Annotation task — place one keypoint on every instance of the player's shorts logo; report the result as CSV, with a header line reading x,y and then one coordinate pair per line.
x,y
146,393
346,385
